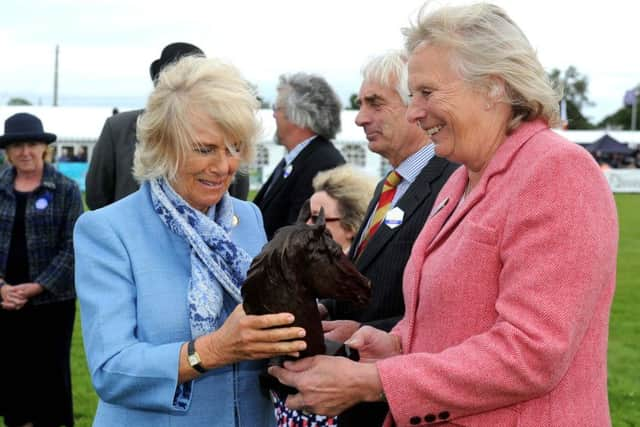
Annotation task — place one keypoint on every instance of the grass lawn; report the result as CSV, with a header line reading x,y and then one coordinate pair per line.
x,y
624,353
624,331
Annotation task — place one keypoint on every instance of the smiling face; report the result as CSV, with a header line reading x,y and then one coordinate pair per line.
x,y
463,123
208,167
382,116
27,157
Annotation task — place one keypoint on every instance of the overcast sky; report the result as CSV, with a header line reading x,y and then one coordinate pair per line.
x,y
106,46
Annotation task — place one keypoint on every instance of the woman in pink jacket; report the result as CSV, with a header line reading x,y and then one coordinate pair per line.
x,y
509,285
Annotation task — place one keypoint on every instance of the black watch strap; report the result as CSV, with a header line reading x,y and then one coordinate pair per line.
x,y
194,358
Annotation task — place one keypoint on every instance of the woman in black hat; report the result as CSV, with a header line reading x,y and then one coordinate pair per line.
x,y
38,209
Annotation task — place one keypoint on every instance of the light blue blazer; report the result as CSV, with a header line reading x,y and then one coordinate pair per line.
x,y
132,277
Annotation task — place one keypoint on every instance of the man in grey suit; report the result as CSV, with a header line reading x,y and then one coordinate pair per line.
x,y
109,177
382,255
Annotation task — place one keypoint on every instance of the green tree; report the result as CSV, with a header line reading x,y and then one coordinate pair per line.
x,y
575,87
353,102
264,104
621,119
18,101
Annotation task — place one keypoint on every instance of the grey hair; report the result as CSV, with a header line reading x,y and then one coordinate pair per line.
x,y
387,69
352,190
191,87
485,45
309,102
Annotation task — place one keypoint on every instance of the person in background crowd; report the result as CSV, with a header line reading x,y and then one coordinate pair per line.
x,y
343,193
509,284
67,155
159,272
307,114
109,177
81,154
38,209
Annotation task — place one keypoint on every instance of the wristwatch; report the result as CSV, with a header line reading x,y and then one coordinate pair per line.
x,y
194,358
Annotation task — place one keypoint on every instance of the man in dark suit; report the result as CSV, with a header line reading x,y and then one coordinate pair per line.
x,y
307,114
109,177
382,255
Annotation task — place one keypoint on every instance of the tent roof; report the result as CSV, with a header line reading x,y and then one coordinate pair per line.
x,y
606,144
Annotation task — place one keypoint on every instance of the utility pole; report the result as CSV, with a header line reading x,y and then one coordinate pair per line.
x,y
634,109
55,78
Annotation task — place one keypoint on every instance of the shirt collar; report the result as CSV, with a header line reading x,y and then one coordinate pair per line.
x,y
291,155
411,167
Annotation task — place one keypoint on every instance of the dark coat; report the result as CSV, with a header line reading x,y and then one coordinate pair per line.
x,y
280,206
109,177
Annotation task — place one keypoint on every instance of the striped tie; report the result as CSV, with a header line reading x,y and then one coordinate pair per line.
x,y
384,203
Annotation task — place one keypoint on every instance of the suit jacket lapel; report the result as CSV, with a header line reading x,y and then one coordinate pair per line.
x,y
279,184
450,217
419,190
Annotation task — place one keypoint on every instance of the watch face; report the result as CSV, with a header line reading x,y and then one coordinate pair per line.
x,y
194,359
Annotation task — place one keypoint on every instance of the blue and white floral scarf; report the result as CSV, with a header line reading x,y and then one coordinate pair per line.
x,y
217,264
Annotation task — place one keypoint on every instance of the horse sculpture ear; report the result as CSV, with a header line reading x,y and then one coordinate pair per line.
x,y
320,222
305,212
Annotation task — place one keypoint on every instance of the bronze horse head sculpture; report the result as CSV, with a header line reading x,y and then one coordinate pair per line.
x,y
300,264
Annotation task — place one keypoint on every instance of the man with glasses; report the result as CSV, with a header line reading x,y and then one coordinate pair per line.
x,y
307,114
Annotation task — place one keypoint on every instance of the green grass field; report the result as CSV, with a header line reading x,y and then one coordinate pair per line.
x,y
624,330
624,356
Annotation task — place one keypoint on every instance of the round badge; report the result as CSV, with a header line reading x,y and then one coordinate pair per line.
x,y
235,220
42,203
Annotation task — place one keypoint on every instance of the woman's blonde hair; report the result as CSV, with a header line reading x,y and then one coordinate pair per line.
x,y
190,87
486,44
352,190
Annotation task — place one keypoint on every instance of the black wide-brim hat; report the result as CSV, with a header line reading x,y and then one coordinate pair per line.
x,y
172,53
22,127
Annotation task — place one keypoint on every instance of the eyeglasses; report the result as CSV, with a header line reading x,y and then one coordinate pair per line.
x,y
314,218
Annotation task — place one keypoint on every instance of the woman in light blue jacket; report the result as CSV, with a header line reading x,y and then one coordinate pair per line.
x,y
158,273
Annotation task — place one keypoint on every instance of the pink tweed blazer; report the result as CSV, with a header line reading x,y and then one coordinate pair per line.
x,y
508,295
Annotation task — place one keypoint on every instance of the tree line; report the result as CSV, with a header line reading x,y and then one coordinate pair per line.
x,y
575,87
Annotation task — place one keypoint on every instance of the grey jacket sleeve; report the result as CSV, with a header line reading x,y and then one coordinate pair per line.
x,y
100,180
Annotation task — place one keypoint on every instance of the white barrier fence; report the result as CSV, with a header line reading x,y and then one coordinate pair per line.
x,y
623,180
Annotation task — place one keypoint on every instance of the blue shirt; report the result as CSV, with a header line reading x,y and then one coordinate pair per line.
x,y
410,168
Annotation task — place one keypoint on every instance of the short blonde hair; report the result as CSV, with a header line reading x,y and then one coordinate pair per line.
x,y
352,190
485,43
193,86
